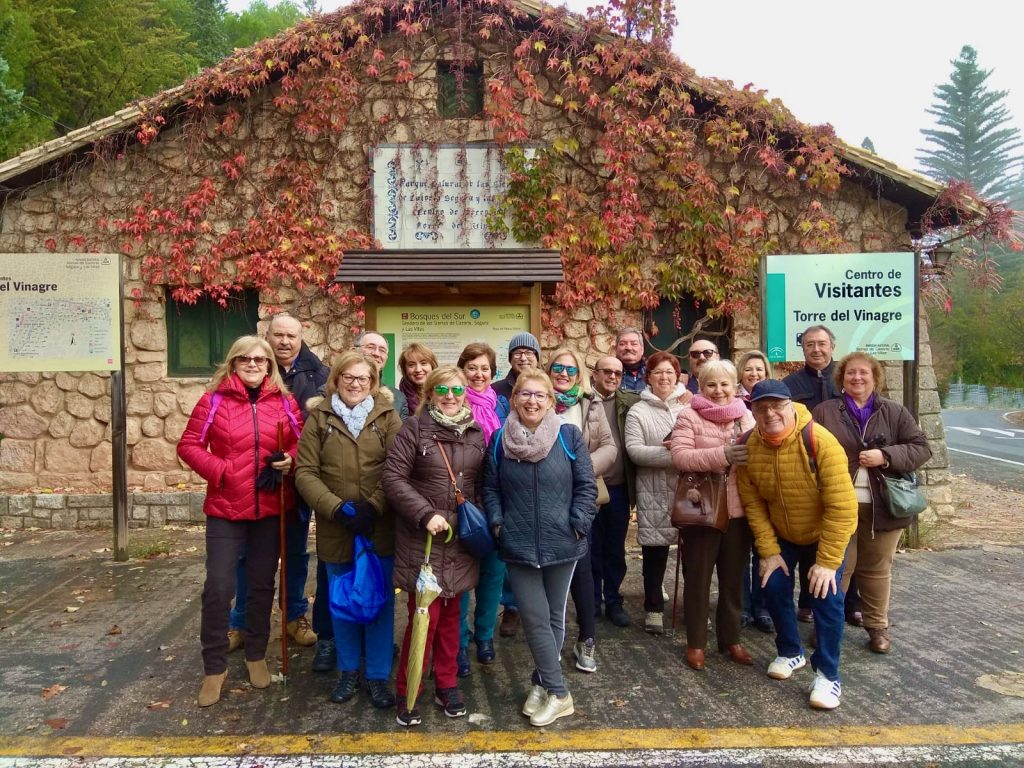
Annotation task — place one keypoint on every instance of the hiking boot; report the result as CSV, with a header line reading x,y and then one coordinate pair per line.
x,y
408,717
806,615
783,667
346,687
209,693
326,657
509,623
765,624
380,694
552,709
450,699
617,614
654,623
485,651
300,631
585,661
879,641
825,693
462,668
259,675
538,696
236,640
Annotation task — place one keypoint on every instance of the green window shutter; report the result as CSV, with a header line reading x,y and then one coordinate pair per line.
x,y
199,335
460,90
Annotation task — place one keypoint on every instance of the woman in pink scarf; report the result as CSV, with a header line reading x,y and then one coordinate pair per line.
x,y
477,362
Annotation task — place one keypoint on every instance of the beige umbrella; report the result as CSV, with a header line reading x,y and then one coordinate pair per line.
x,y
427,591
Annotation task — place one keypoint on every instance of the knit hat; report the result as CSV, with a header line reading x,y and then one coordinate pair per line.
x,y
521,340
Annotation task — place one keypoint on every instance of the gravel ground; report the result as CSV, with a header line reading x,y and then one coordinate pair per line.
x,y
985,515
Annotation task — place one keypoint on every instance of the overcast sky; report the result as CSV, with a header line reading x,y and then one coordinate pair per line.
x,y
868,68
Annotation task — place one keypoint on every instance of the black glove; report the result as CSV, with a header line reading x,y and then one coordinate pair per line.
x,y
270,479
360,517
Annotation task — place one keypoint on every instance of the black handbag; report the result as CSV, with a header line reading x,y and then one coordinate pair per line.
x,y
474,532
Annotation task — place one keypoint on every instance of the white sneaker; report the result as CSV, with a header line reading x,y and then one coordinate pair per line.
x,y
538,695
554,708
784,666
825,693
585,651
654,623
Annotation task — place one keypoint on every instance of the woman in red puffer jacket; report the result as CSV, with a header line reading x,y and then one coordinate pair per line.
x,y
231,438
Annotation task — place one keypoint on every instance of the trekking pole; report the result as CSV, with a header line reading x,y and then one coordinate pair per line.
x,y
284,576
675,588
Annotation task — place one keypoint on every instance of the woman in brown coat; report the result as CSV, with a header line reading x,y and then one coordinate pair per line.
x,y
418,487
341,457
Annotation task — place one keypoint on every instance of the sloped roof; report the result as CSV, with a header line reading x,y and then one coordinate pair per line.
x,y
911,190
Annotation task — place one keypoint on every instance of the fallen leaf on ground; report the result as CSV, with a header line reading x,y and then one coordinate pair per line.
x,y
159,704
57,723
72,608
114,630
53,690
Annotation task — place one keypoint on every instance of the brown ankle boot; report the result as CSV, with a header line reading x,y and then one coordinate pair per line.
x,y
879,641
209,693
259,675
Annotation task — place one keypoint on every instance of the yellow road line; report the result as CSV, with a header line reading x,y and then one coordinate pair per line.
x,y
514,741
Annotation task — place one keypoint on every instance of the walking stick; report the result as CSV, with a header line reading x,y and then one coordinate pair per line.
x,y
284,576
675,589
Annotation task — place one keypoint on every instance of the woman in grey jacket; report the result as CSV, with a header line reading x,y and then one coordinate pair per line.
x,y
540,494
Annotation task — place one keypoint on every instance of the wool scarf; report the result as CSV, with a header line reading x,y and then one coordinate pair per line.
x,y
521,443
354,417
483,405
567,399
458,423
411,392
734,409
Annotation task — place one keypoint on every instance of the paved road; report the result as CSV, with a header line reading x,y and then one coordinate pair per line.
x,y
985,445
948,694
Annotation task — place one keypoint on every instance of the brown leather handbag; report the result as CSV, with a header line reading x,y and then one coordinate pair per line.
x,y
700,500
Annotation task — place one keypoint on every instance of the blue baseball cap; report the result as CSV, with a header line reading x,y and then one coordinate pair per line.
x,y
770,388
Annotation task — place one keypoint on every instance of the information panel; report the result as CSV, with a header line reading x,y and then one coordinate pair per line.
x,y
448,329
866,299
430,197
60,312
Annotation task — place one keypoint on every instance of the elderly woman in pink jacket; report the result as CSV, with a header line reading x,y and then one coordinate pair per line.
x,y
704,440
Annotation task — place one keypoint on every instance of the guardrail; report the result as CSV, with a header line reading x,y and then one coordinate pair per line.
x,y
980,396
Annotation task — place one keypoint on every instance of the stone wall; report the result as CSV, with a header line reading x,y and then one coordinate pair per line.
x,y
70,511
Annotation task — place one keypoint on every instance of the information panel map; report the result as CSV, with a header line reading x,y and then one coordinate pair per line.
x,y
59,312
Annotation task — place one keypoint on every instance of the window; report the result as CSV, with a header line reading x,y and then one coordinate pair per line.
x,y
460,89
199,335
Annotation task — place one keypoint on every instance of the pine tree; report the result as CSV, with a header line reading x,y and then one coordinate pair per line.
x,y
974,140
869,145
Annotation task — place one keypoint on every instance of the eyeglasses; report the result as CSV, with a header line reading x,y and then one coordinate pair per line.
x,y
248,359
707,354
456,389
373,348
572,370
348,378
525,394
609,372
522,354
760,408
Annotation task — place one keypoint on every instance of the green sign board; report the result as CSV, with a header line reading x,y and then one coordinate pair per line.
x,y
447,329
868,300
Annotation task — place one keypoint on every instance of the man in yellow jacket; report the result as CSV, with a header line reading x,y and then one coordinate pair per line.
x,y
800,502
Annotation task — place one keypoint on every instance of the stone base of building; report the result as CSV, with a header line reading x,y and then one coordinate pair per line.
x,y
73,511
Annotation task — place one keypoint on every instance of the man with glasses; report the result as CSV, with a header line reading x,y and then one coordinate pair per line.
x,y
813,383
375,347
800,505
523,352
629,349
700,352
304,374
608,531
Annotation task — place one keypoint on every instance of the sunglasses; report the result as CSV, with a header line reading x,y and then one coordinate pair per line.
x,y
572,370
456,389
247,359
609,372
707,354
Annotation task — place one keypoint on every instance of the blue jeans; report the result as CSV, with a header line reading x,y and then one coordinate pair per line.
x,y
828,612
373,641
488,592
608,546
296,534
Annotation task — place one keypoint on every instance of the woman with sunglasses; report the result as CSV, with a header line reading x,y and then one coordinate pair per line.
x,y
415,364
231,441
478,362
540,494
575,404
339,466
418,487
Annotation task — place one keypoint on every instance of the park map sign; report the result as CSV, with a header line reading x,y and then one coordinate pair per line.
x,y
868,300
60,312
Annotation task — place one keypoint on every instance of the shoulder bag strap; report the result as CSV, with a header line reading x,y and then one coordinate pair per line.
x,y
451,474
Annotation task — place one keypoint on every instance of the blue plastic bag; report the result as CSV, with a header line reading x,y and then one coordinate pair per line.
x,y
358,595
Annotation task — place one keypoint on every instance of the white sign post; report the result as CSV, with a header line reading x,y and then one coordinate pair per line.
x,y
868,300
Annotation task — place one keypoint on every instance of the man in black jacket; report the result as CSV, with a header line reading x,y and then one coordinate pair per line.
x,y
813,384
304,374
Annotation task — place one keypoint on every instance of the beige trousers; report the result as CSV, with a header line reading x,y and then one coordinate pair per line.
x,y
870,557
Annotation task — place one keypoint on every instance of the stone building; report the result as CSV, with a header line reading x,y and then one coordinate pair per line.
x,y
108,187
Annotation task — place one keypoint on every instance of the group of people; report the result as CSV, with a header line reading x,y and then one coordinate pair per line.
x,y
557,456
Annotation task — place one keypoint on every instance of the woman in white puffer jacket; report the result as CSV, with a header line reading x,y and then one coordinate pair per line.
x,y
648,425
